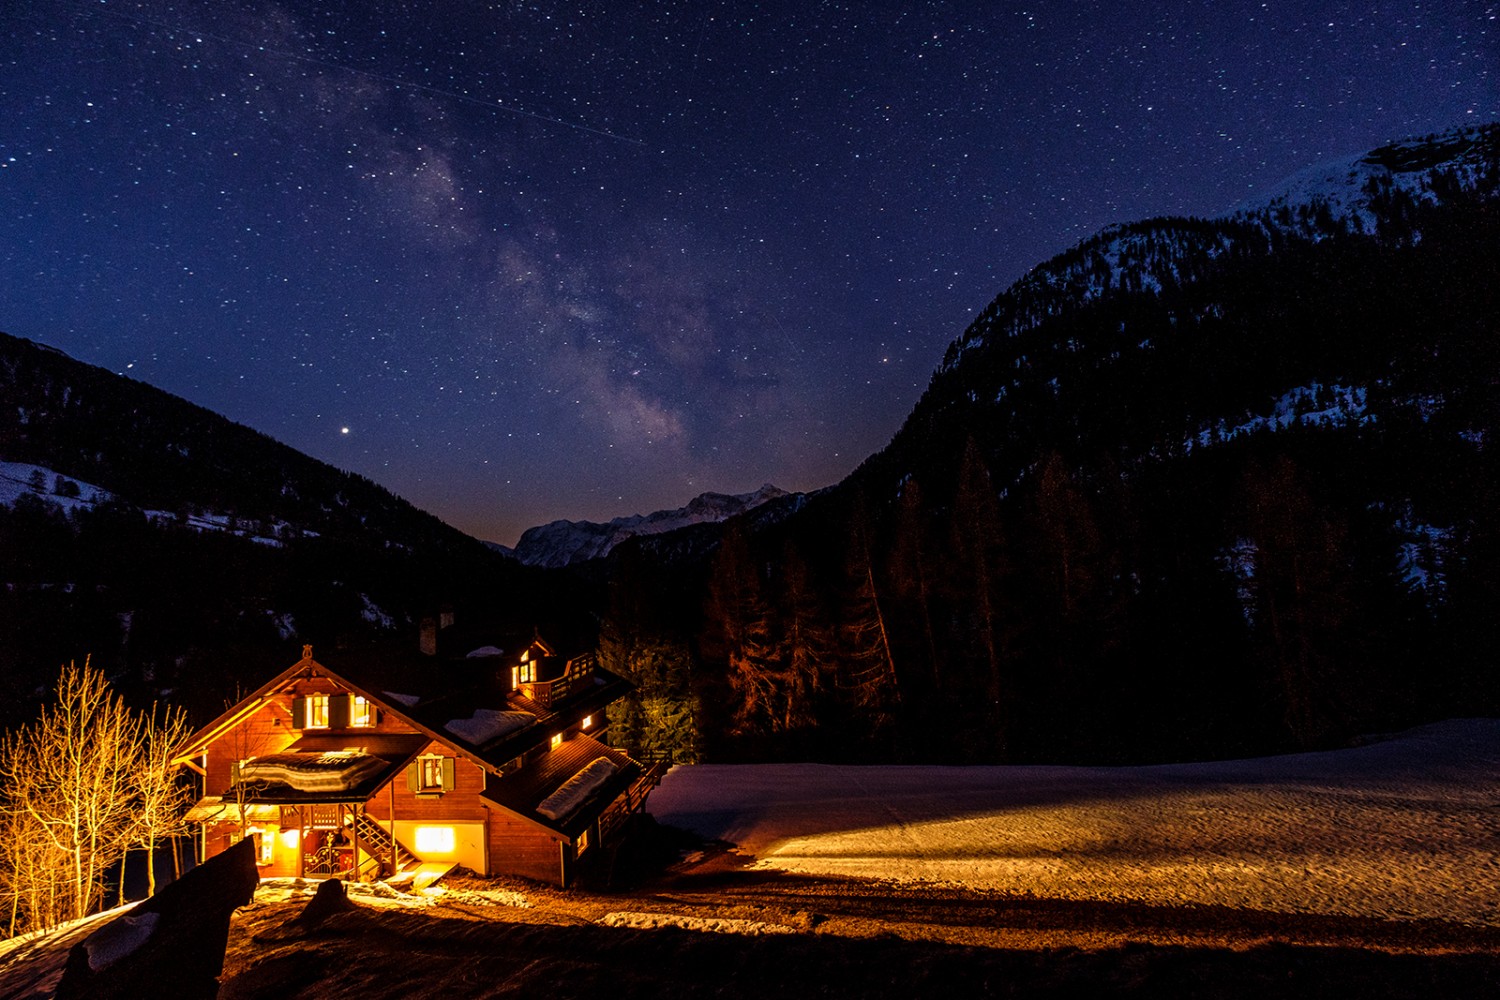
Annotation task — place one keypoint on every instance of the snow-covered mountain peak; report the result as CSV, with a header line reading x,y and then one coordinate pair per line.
x,y
562,543
1349,185
1353,194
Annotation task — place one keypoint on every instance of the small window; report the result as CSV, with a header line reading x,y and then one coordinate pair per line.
x,y
588,720
431,774
556,740
435,839
317,712
361,712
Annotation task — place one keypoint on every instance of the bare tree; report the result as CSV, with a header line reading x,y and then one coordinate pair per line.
x,y
71,775
78,787
164,798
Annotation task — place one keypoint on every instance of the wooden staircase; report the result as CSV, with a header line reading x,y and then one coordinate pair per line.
x,y
378,846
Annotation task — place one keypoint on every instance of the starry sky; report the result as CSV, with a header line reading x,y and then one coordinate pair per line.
x,y
527,261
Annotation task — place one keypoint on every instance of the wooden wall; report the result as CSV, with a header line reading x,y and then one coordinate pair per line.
x,y
520,848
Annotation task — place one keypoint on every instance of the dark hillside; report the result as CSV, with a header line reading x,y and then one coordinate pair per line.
x,y
1192,489
219,550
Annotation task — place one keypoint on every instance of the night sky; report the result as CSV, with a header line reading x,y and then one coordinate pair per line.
x,y
524,261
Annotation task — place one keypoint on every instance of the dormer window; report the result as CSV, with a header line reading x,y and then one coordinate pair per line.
x,y
316,712
361,712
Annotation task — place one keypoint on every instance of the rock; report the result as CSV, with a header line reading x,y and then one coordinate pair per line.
x,y
171,945
328,900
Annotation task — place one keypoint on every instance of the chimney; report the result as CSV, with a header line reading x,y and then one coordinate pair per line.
x,y
445,617
427,637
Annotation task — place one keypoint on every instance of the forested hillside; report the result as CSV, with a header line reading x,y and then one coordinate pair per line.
x,y
214,550
1194,488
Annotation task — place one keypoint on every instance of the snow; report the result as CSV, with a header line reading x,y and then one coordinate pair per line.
x,y
333,771
720,925
1422,556
16,480
402,699
374,614
576,790
1343,184
383,895
488,724
119,938
1406,827
483,651
561,543
1313,405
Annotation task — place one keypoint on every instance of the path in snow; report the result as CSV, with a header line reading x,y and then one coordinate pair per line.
x,y
1404,828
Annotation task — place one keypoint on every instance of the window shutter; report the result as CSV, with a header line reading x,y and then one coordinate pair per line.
x,y
338,711
449,774
413,777
299,713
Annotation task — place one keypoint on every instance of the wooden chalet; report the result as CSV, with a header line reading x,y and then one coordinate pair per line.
x,y
374,765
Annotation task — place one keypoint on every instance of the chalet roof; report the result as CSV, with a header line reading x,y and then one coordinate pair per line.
x,y
429,693
522,792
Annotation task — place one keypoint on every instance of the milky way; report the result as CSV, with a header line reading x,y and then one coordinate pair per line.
x,y
526,261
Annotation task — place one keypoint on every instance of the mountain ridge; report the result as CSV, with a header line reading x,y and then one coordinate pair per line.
x,y
562,543
1190,488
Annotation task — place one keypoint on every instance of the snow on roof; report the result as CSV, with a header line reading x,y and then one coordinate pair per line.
x,y
574,792
331,771
482,651
488,724
402,699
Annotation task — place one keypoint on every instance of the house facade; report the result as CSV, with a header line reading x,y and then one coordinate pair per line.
x,y
377,764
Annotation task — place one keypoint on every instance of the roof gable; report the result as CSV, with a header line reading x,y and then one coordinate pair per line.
x,y
460,704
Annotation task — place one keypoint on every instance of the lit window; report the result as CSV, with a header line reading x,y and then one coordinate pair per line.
x,y
588,720
527,672
361,712
430,773
556,740
515,678
583,841
435,840
317,712
265,844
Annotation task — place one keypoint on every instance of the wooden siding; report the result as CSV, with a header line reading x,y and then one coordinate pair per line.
x,y
271,729
469,844
461,805
520,848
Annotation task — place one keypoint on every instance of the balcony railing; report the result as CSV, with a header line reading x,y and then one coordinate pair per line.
x,y
576,676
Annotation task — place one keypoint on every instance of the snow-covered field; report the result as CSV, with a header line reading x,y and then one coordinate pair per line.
x,y
1408,827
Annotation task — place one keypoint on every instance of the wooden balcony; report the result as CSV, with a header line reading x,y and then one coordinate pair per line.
x,y
576,677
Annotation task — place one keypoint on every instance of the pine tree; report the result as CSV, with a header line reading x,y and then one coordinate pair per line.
x,y
865,670
739,633
804,651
